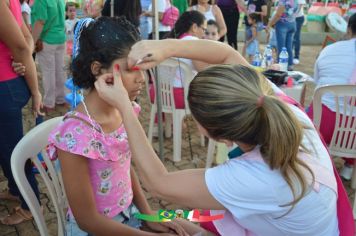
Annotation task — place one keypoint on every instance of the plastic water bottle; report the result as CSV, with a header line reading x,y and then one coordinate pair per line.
x,y
267,59
283,59
256,60
268,55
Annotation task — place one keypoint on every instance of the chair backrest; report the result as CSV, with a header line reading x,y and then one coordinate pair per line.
x,y
167,72
34,142
343,142
148,75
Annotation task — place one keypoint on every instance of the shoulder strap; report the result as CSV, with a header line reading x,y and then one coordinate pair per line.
x,y
87,123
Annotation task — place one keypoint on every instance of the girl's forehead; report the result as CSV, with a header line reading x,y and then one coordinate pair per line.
x,y
122,62
212,27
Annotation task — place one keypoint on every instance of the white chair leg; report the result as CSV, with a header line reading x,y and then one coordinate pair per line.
x,y
177,136
353,186
353,178
354,208
210,155
202,140
168,125
152,121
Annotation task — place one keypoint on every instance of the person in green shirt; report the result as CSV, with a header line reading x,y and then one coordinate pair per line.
x,y
182,5
49,34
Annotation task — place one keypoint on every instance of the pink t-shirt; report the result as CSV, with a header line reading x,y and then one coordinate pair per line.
x,y
109,159
7,72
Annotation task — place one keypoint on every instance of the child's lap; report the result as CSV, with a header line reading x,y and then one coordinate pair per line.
x,y
126,217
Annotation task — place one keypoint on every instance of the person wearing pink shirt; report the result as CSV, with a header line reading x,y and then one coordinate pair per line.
x,y
16,44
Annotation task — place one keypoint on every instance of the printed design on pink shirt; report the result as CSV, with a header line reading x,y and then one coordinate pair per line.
x,y
106,211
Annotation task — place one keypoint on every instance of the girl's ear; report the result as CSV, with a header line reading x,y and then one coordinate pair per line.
x,y
95,68
194,27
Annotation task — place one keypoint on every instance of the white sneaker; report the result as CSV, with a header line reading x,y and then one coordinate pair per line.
x,y
296,61
346,172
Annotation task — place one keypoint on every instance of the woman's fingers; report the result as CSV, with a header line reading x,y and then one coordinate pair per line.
x,y
177,228
18,68
111,89
146,54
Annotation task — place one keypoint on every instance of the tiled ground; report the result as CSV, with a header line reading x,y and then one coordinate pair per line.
x,y
309,55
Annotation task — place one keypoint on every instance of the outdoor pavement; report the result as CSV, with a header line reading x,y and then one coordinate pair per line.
x,y
196,159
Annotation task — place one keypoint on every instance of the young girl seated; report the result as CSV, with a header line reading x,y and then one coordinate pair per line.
x,y
251,46
91,142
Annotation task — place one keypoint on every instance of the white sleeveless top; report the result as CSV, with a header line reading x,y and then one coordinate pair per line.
x,y
209,14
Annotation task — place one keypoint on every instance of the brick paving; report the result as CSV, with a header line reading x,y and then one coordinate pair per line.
x,y
196,160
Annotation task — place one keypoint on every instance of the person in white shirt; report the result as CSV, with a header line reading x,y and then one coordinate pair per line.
x,y
26,13
299,20
283,184
71,20
335,66
163,30
211,12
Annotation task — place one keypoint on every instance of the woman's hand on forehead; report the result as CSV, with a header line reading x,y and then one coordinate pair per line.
x,y
147,54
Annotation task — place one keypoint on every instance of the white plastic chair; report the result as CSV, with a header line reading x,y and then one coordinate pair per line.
x,y
210,154
29,146
168,130
167,72
343,142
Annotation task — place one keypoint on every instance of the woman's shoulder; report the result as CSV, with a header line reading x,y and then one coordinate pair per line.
x,y
215,8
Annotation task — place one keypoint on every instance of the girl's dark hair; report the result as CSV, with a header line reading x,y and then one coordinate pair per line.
x,y
185,21
195,2
131,9
254,16
104,40
214,23
352,24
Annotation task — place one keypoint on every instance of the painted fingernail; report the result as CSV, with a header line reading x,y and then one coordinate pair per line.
x,y
135,68
117,67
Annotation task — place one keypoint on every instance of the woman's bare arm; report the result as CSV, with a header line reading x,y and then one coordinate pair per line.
x,y
14,38
208,51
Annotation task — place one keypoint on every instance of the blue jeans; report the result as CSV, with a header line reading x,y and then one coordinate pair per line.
x,y
296,43
285,33
14,95
144,27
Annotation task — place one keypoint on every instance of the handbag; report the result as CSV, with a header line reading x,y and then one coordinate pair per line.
x,y
171,15
38,45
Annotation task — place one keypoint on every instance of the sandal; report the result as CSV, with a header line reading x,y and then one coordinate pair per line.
x,y
6,195
17,216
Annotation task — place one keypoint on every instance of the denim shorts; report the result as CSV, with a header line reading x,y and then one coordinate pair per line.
x,y
126,217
